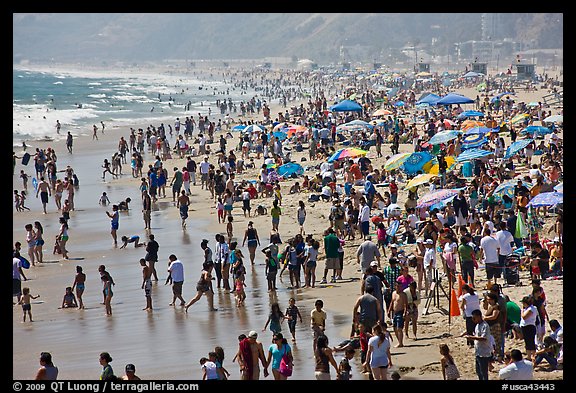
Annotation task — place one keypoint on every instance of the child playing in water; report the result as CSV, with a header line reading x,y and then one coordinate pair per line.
x,y
104,199
133,239
240,294
25,302
69,300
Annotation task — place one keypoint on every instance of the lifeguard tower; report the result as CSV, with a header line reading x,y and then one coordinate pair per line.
x,y
423,67
481,68
525,71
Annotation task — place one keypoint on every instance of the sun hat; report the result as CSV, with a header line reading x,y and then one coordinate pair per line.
x,y
253,334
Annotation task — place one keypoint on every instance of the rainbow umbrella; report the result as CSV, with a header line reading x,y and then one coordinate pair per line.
x,y
396,161
420,179
416,161
547,199
436,196
473,141
347,152
519,118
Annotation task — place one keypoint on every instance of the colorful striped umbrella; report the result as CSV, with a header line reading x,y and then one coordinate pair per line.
x,y
436,196
347,152
516,147
473,154
473,141
477,130
444,136
420,179
466,124
253,128
396,161
547,199
416,161
294,130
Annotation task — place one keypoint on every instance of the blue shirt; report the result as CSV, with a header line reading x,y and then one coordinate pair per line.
x,y
153,180
278,353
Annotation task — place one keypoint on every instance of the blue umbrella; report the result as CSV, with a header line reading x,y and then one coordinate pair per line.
x,y
359,123
547,199
399,103
507,188
453,98
416,161
288,169
536,130
470,114
497,96
239,127
429,99
444,136
478,131
473,154
346,106
516,147
473,141
280,134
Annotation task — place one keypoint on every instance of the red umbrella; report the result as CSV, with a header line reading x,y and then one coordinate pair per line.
x,y
447,124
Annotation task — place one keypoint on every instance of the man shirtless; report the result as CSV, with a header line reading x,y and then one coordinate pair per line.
x,y
146,284
44,191
250,353
182,204
397,311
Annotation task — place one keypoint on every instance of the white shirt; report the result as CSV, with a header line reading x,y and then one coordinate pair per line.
x,y
210,368
440,217
311,252
490,247
245,195
430,258
530,320
176,270
412,219
517,371
504,239
364,214
472,303
204,166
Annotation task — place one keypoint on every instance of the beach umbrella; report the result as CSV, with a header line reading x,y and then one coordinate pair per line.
x,y
294,129
396,161
519,118
359,123
416,161
473,154
497,96
507,188
547,199
516,147
467,124
399,103
420,179
536,130
346,106
473,141
532,104
453,98
554,119
290,168
280,126
433,167
253,128
559,188
280,135
436,196
347,152
478,130
239,127
472,74
378,122
382,112
470,114
444,136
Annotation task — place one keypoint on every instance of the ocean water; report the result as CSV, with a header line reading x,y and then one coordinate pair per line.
x,y
79,99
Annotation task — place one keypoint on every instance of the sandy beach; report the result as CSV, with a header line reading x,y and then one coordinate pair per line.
x,y
168,342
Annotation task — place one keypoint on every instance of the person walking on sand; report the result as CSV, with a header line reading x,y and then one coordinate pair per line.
x,y
151,257
176,275
114,223
79,284
449,370
108,294
204,287
482,346
69,141
183,204
147,209
251,234
62,237
397,312
146,284
39,241
378,356
176,183
31,240
276,352
45,191
324,358
250,355
106,167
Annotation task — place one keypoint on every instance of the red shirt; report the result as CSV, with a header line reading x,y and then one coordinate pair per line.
x,y
393,188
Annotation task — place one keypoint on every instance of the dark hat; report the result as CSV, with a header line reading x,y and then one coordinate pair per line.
x,y
130,368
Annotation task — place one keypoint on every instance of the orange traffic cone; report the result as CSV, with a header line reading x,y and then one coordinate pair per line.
x,y
460,283
454,309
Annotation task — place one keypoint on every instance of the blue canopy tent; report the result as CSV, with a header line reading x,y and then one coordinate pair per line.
x,y
453,98
516,147
466,114
430,99
290,168
346,106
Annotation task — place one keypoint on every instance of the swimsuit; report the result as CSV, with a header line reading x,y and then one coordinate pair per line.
x,y
80,286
